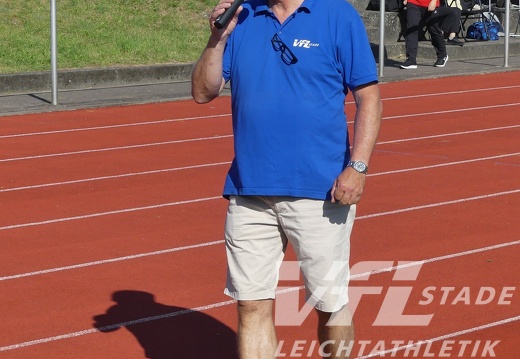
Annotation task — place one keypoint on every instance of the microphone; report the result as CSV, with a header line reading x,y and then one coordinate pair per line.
x,y
224,19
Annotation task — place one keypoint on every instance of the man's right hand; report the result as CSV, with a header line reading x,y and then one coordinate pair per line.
x,y
219,10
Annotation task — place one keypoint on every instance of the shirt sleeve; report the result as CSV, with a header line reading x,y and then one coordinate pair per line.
x,y
226,61
356,54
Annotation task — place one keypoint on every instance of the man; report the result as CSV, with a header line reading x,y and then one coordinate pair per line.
x,y
290,64
428,11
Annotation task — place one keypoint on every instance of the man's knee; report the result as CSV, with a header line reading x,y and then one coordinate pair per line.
x,y
249,309
341,318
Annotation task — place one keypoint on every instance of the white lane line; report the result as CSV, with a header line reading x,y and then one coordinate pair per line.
x,y
227,136
126,324
114,176
228,162
111,260
442,337
436,259
95,128
479,90
438,204
229,302
447,135
445,164
452,111
101,214
176,249
222,163
115,148
169,204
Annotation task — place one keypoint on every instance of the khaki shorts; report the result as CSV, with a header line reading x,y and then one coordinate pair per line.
x,y
257,231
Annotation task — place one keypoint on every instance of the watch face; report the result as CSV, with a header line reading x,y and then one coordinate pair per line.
x,y
360,167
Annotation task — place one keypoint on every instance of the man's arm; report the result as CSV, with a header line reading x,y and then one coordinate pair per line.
x,y
349,185
206,80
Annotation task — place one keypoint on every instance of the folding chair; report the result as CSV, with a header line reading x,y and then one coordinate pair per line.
x,y
475,12
517,8
513,6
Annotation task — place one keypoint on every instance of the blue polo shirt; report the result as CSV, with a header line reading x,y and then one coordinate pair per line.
x,y
290,128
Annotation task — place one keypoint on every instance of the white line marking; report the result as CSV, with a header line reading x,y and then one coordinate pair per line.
x,y
227,136
115,148
444,164
129,323
436,259
169,204
228,114
100,214
229,302
451,111
454,92
448,134
445,203
442,337
113,126
114,176
176,249
447,93
224,163
111,260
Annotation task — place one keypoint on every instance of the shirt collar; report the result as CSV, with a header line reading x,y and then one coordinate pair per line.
x,y
260,6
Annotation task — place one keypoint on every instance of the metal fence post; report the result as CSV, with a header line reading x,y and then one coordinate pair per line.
x,y
54,62
506,34
381,37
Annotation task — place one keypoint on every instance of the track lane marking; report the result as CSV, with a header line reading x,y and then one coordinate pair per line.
x,y
230,302
59,154
115,148
106,127
94,128
165,251
446,164
123,175
176,203
111,260
478,108
447,134
442,337
100,178
108,213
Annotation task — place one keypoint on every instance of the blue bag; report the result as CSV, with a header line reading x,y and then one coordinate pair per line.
x,y
478,31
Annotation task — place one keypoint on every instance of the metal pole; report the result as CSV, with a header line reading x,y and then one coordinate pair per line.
x,y
381,37
54,62
506,35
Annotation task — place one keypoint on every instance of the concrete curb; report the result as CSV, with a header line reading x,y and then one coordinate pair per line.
x,y
97,77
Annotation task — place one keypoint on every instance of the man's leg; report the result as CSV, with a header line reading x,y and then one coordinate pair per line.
x,y
256,334
413,19
319,232
254,246
337,331
436,33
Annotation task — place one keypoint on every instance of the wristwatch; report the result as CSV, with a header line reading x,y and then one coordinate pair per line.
x,y
359,166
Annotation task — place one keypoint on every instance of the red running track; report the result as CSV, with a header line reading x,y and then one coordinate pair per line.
x,y
111,225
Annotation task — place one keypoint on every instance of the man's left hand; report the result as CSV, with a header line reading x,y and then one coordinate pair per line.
x,y
348,187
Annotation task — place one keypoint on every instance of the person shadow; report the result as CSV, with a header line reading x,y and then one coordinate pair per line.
x,y
167,332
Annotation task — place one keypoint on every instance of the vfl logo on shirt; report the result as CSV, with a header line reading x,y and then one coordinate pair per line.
x,y
304,43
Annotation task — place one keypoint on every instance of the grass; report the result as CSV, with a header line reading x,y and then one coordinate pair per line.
x,y
102,33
